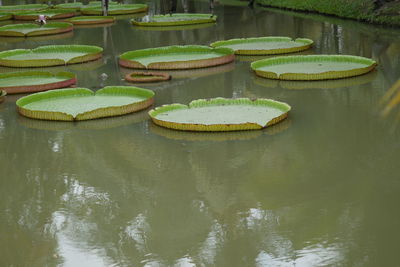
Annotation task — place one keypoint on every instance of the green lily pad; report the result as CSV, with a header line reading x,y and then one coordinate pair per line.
x,y
33,29
49,13
84,104
174,19
265,45
2,95
13,8
115,9
84,20
50,55
221,114
76,6
35,81
312,67
5,16
176,57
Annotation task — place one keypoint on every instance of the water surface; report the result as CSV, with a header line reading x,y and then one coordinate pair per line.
x,y
319,189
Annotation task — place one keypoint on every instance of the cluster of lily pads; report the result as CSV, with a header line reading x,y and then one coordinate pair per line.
x,y
218,114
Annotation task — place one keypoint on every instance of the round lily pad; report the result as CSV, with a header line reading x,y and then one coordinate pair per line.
x,y
174,19
312,67
48,13
176,28
33,29
83,104
50,55
2,95
84,20
176,57
35,81
76,6
115,9
5,16
13,8
221,114
265,45
146,77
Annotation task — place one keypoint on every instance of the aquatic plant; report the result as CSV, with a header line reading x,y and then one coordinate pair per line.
x,y
35,81
174,19
176,57
312,67
50,55
221,114
83,104
265,45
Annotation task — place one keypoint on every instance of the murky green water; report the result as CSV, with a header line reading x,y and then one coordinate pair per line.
x,y
319,189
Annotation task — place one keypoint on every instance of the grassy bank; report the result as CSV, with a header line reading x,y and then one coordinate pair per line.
x,y
366,10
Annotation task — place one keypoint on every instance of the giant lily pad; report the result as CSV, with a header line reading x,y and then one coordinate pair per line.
x,y
84,20
33,29
49,13
221,114
50,55
265,45
115,9
174,19
76,6
34,81
13,8
5,16
2,95
312,67
176,57
84,104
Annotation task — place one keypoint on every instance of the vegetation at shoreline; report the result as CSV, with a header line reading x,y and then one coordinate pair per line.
x,y
374,11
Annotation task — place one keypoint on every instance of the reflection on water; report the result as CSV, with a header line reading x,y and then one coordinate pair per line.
x,y
320,190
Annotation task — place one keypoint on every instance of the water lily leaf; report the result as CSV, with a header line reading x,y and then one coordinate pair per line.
x,y
174,19
265,45
312,67
221,114
176,57
35,81
33,29
50,55
84,104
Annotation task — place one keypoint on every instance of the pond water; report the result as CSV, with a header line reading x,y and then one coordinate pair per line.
x,y
322,188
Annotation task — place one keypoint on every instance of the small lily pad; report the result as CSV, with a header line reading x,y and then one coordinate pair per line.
x,y
146,77
50,55
176,57
312,67
221,114
265,45
83,104
85,20
48,13
33,29
118,9
174,19
35,81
